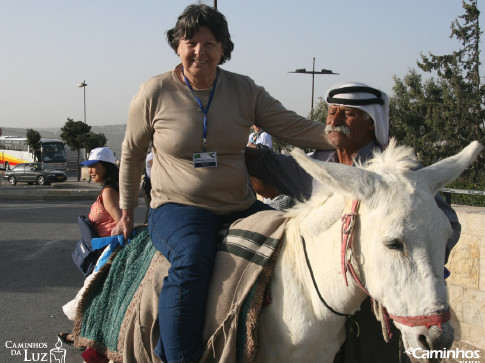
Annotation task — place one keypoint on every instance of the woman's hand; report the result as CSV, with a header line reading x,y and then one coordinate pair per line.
x,y
126,224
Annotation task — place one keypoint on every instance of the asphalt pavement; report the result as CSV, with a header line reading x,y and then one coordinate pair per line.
x,y
71,189
37,275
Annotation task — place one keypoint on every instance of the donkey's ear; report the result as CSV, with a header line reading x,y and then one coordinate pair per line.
x,y
353,181
445,171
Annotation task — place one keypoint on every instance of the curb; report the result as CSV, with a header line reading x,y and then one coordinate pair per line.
x,y
48,194
54,192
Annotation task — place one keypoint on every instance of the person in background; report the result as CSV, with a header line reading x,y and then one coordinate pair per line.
x,y
259,137
147,184
198,117
357,124
104,215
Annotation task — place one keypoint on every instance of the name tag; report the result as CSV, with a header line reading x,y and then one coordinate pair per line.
x,y
205,160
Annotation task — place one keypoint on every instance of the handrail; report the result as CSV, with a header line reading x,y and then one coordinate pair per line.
x,y
448,191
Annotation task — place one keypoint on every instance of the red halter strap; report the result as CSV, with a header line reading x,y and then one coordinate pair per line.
x,y
347,231
425,320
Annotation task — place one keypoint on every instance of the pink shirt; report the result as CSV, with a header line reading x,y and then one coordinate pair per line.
x,y
102,221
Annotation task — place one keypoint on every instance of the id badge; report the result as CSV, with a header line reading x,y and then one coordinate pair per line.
x,y
205,160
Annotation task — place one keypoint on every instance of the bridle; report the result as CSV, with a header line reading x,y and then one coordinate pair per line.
x,y
346,251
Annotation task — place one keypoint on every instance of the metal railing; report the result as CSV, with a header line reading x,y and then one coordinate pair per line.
x,y
447,192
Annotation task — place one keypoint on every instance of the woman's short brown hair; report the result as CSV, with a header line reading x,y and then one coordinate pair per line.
x,y
195,16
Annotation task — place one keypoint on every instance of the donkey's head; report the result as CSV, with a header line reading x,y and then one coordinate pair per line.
x,y
401,235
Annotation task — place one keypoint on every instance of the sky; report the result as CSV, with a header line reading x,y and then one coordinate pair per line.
x,y
48,47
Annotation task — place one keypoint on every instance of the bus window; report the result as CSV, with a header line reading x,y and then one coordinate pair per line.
x,y
53,152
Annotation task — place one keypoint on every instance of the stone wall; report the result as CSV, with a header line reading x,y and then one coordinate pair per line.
x,y
466,285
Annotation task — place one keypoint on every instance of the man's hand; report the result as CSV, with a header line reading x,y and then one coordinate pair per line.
x,y
125,224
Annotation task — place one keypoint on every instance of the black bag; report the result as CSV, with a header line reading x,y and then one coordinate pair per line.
x,y
84,256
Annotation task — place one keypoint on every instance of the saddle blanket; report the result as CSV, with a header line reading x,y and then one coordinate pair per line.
x,y
118,313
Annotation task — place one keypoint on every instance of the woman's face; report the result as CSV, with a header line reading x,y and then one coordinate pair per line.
x,y
97,172
200,56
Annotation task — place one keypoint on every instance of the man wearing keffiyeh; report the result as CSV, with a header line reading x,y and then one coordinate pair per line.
x,y
357,125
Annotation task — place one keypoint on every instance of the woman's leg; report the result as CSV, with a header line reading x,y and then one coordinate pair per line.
x,y
186,236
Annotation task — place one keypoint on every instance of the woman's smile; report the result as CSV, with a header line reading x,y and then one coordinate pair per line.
x,y
200,56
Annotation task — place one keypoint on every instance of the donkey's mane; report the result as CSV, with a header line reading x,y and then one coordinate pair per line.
x,y
391,164
394,159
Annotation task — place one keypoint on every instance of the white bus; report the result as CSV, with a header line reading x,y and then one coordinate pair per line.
x,y
15,150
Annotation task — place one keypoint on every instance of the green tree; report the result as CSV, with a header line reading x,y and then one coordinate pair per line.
x,y
417,110
75,134
320,110
442,114
94,140
279,145
33,140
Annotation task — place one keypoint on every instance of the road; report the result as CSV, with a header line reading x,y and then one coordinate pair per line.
x,y
37,276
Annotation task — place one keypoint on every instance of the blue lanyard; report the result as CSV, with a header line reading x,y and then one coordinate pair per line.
x,y
204,135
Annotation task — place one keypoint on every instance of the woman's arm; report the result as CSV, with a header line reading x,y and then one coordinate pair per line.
x,y
111,202
124,218
288,126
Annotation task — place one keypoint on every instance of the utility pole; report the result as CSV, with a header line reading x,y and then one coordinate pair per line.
x,y
313,72
83,84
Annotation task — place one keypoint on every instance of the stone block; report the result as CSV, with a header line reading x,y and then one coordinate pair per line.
x,y
475,224
482,264
474,308
464,262
471,219
84,173
455,298
473,335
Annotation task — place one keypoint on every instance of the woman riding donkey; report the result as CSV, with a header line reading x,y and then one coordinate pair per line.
x,y
198,118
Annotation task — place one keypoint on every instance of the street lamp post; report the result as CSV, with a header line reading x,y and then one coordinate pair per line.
x,y
215,4
313,72
83,84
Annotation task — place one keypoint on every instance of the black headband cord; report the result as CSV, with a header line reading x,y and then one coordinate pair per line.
x,y
355,102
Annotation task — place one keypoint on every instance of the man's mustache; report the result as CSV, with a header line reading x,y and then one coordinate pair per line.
x,y
341,128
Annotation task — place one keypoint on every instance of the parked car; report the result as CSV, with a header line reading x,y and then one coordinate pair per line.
x,y
33,173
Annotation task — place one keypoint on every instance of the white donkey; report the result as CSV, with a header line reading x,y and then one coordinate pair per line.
x,y
325,267
398,252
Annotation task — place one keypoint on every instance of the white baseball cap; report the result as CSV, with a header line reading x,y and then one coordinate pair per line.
x,y
100,154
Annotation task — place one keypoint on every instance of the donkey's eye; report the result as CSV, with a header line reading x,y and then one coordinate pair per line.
x,y
395,244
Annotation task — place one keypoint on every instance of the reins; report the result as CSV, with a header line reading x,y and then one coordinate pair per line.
x,y
315,283
347,231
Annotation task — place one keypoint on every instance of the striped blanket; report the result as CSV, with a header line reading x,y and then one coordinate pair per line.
x,y
118,313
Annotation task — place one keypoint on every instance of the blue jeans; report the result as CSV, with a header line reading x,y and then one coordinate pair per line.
x,y
186,236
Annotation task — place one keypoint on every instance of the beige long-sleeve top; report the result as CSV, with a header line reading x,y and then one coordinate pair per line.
x,y
165,110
